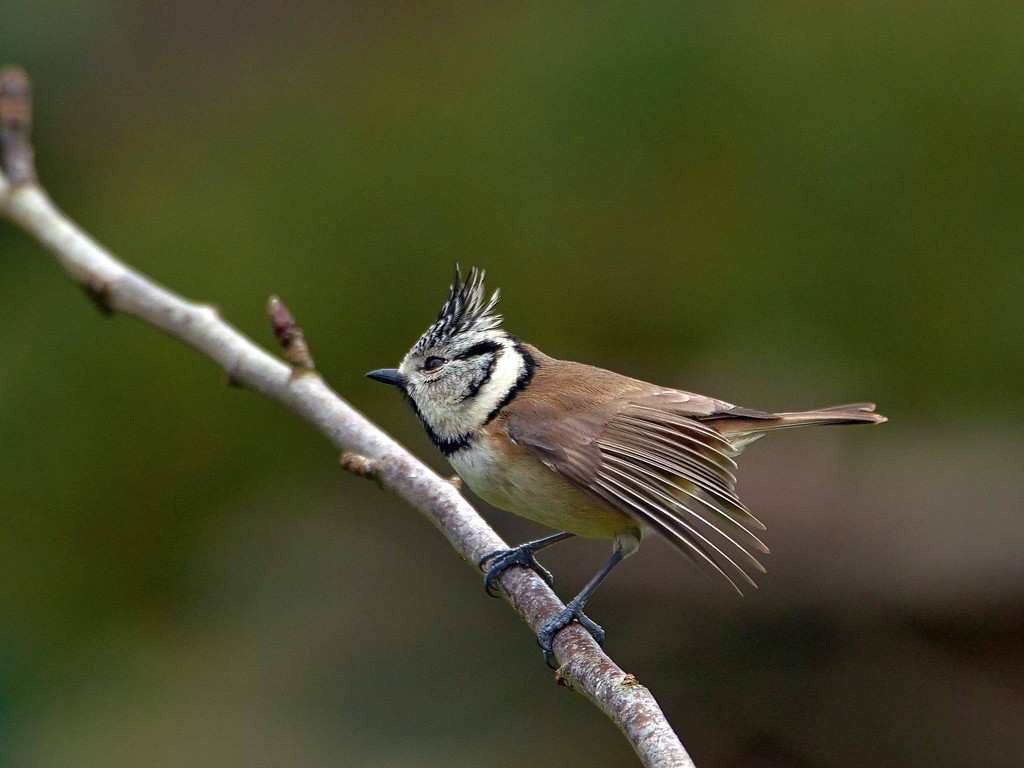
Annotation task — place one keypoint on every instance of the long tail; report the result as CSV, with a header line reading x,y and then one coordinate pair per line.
x,y
741,426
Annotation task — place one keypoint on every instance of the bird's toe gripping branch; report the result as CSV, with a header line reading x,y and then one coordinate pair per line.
x,y
523,555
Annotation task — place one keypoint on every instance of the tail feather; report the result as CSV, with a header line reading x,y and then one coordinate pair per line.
x,y
854,413
741,426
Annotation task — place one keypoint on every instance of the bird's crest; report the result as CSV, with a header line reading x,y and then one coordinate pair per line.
x,y
466,310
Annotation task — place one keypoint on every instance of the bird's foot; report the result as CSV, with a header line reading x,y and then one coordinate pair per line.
x,y
572,612
503,559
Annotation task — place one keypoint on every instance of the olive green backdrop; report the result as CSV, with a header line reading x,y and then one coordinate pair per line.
x,y
783,205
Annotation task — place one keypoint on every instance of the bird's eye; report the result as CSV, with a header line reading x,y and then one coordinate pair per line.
x,y
432,364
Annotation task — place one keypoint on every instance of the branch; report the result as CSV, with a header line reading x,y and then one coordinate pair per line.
x,y
369,452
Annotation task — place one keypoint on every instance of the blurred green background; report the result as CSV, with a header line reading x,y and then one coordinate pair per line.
x,y
783,205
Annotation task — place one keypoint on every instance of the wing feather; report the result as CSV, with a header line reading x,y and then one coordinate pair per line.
x,y
669,506
721,474
669,492
691,543
646,457
674,457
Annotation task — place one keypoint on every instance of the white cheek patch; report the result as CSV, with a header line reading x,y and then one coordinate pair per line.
x,y
508,367
459,400
457,416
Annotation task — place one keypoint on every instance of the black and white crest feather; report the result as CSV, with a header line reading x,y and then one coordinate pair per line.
x,y
467,309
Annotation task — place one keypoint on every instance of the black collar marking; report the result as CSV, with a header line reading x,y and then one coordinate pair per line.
x,y
446,446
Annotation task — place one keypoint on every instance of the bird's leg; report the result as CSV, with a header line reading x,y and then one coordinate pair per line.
x,y
502,559
573,611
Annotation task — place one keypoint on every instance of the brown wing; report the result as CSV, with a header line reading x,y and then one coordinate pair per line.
x,y
642,454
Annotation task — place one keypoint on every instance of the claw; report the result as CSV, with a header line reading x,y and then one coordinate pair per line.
x,y
572,612
503,559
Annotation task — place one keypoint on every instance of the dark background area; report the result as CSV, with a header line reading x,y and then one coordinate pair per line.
x,y
785,206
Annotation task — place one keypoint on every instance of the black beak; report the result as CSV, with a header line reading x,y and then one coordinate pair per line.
x,y
388,376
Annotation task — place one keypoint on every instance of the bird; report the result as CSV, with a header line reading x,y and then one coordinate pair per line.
x,y
584,450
